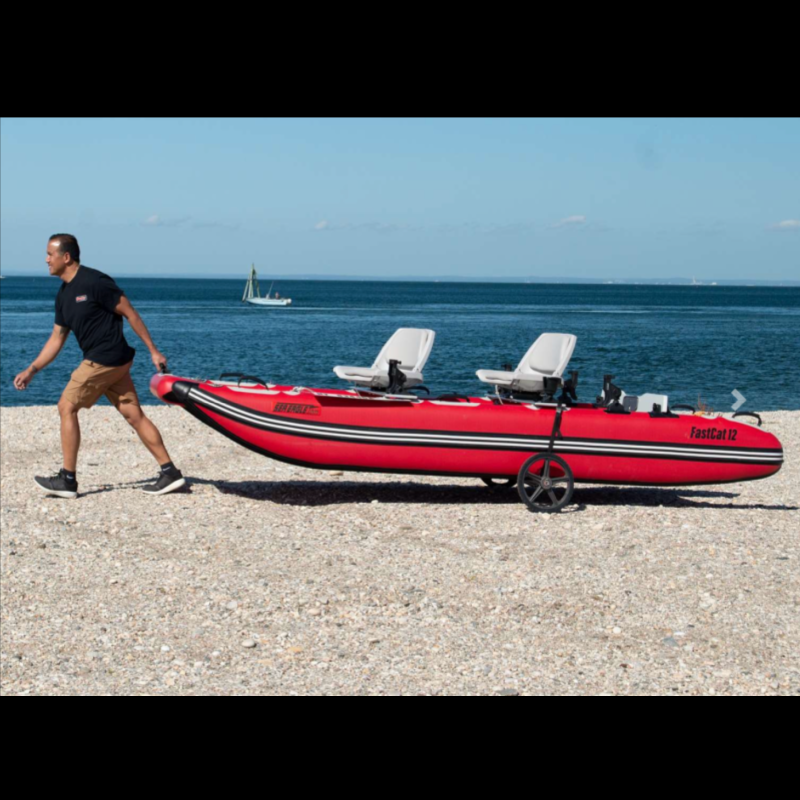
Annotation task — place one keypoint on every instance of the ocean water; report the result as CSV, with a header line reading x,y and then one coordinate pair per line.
x,y
688,342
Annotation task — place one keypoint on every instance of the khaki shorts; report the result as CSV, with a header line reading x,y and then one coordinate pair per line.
x,y
92,380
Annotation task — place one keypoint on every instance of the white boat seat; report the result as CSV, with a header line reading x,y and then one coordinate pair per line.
x,y
547,358
410,346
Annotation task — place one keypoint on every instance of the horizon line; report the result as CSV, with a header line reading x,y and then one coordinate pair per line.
x,y
534,279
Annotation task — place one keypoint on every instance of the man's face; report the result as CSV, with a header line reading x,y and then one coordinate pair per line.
x,y
55,260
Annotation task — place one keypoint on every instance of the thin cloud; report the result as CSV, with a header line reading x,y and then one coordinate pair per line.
x,y
474,227
481,228
570,222
464,227
223,225
713,228
383,227
377,227
511,228
786,225
155,221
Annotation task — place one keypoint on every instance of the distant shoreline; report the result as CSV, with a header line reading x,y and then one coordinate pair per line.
x,y
534,280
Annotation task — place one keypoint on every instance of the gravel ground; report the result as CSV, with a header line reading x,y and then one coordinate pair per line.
x,y
264,578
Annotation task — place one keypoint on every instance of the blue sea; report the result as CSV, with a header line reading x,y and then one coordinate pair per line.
x,y
690,342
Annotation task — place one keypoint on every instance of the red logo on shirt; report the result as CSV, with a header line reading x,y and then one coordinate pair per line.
x,y
80,298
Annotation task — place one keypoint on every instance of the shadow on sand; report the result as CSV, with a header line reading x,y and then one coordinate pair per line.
x,y
327,493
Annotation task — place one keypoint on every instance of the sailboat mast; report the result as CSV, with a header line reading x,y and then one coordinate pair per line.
x,y
252,281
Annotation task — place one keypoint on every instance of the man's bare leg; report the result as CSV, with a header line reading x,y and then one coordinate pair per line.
x,y
146,430
65,484
70,434
170,477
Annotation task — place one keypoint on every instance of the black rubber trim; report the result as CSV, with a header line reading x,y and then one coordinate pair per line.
x,y
562,450
700,448
206,420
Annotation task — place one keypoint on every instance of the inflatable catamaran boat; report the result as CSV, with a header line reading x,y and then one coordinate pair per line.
x,y
528,430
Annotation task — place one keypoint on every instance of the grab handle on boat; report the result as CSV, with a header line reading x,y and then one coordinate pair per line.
x,y
251,379
162,368
748,414
242,377
684,408
451,396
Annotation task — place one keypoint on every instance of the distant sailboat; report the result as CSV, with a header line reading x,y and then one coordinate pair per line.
x,y
252,293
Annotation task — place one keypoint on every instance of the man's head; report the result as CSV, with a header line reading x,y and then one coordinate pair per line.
x,y
62,252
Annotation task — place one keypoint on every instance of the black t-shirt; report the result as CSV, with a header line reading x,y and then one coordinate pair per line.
x,y
86,306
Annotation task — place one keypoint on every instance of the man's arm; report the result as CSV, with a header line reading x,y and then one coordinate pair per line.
x,y
125,309
51,349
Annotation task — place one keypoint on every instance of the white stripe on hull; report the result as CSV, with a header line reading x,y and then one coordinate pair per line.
x,y
466,440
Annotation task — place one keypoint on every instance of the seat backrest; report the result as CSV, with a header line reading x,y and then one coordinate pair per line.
x,y
549,354
410,346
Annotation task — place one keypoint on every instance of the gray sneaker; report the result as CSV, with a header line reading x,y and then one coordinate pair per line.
x,y
59,485
166,482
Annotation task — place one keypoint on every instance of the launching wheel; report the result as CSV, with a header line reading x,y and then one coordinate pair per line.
x,y
545,483
499,483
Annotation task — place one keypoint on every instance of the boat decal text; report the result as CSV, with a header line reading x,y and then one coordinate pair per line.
x,y
295,408
717,434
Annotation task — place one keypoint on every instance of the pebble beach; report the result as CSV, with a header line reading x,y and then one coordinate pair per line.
x,y
263,578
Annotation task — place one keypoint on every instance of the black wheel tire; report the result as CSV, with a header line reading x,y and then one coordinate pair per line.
x,y
542,492
500,483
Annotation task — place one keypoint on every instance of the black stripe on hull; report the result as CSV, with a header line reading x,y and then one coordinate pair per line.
x,y
212,423
273,418
562,446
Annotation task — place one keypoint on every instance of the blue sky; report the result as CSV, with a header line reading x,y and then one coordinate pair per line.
x,y
481,198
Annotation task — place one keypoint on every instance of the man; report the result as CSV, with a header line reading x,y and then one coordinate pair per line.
x,y
92,305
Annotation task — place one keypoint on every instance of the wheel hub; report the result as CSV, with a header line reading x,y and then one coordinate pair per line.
x,y
535,477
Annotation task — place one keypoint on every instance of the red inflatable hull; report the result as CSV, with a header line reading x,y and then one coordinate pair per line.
x,y
330,429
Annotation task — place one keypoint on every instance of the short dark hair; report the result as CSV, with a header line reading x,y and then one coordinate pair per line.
x,y
67,243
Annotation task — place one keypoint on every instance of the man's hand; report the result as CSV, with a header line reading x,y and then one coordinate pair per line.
x,y
51,349
158,360
24,378
125,309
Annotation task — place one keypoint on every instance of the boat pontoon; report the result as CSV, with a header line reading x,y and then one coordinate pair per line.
x,y
529,430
